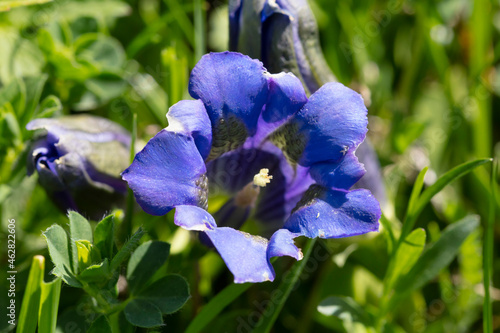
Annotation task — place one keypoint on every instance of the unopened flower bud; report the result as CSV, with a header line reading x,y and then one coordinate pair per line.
x,y
78,160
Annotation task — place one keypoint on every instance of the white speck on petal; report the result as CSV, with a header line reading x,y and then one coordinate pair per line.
x,y
301,255
344,150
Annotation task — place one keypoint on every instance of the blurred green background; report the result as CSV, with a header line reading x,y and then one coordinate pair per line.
x,y
430,75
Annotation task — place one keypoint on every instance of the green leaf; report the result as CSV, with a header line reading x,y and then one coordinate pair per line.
x,y
31,300
435,188
103,52
79,227
417,189
144,262
127,249
143,314
389,232
285,289
96,273
437,256
100,10
406,256
49,303
34,87
8,5
11,121
152,94
58,244
100,325
345,308
169,293
104,236
48,107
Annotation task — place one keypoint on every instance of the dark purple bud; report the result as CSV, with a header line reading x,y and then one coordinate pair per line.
x,y
78,160
283,34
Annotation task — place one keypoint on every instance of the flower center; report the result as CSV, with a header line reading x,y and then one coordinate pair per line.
x,y
262,178
247,196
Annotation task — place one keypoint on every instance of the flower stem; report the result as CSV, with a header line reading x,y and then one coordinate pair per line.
x,y
285,288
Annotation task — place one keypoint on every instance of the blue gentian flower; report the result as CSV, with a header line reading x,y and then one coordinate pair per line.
x,y
78,160
283,34
283,159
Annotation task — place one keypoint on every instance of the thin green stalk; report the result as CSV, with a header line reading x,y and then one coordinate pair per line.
x,y
286,288
488,254
199,30
480,28
182,19
127,221
31,300
215,306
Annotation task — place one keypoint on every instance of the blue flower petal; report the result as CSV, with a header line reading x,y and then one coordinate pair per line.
x,y
286,97
333,121
245,255
372,180
168,172
191,118
234,89
193,218
341,175
281,244
334,213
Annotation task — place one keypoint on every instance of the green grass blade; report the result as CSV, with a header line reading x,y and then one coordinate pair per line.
x,y
435,188
126,229
215,306
49,303
406,256
488,254
436,257
153,95
182,20
176,69
199,27
391,242
31,301
417,189
286,288
144,37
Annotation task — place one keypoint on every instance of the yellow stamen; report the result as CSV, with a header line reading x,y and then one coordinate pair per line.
x,y
262,178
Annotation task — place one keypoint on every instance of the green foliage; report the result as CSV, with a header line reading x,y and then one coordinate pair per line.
x,y
85,259
347,309
28,317
100,325
40,302
436,257
430,75
144,262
